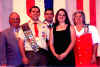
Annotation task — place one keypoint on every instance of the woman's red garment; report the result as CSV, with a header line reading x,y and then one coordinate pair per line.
x,y
83,51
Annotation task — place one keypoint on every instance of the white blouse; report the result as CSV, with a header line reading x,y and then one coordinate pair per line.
x,y
92,30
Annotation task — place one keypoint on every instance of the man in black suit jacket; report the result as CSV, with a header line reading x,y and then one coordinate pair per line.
x,y
9,51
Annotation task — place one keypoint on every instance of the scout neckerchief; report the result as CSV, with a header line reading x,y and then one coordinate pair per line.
x,y
36,29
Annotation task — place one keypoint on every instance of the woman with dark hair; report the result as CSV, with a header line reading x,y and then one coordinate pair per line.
x,y
62,39
86,41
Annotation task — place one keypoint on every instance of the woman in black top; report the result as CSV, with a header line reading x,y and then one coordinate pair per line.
x,y
62,39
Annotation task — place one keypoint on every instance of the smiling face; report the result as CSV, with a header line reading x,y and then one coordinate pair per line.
x,y
14,19
78,19
34,14
49,15
61,16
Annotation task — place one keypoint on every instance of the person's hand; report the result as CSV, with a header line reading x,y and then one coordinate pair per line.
x,y
25,60
57,56
62,56
93,60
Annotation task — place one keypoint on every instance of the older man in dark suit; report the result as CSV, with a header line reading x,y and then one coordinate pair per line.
x,y
9,51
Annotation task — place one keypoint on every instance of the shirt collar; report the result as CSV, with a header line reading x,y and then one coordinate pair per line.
x,y
46,22
32,22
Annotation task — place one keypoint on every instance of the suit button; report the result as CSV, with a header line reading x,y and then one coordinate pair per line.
x,y
78,40
79,48
80,55
80,62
